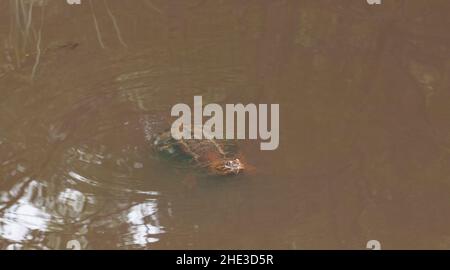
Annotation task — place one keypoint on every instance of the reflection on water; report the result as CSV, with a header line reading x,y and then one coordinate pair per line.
x,y
36,220
365,141
33,223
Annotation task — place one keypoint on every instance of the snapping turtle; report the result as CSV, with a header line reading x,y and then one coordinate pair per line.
x,y
209,154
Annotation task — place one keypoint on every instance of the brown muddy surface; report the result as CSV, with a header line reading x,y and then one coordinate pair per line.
x,y
364,123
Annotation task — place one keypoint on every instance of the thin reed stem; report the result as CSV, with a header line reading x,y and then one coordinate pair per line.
x,y
116,27
97,29
38,46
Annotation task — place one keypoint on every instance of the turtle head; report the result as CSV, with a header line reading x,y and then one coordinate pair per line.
x,y
228,167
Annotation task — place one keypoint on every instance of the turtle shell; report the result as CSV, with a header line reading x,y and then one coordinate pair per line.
x,y
216,155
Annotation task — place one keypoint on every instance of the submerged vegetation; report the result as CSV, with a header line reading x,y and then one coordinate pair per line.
x,y
22,40
25,33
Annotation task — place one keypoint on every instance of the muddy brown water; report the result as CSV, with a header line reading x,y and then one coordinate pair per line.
x,y
364,128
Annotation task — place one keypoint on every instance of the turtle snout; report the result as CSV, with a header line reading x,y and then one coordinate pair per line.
x,y
234,166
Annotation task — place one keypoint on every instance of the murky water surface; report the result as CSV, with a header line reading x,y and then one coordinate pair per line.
x,y
365,136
